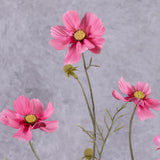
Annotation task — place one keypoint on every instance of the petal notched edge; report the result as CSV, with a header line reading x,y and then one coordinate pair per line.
x,y
22,105
11,118
49,126
72,55
37,106
48,112
24,133
144,113
125,87
71,20
116,95
59,44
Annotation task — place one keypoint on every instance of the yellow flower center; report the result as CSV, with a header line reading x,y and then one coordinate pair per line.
x,y
139,94
31,119
79,35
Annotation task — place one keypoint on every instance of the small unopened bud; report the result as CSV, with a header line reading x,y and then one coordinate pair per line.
x,y
69,70
88,153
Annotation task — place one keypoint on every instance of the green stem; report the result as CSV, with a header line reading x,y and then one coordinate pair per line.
x,y
109,131
130,132
31,145
93,106
84,94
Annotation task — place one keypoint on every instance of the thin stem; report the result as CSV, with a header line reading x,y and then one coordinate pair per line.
x,y
93,106
84,94
109,130
31,145
130,132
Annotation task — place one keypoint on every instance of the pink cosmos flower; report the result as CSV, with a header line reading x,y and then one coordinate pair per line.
x,y
82,35
157,142
139,95
28,115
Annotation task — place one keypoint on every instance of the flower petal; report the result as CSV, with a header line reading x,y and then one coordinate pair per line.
x,y
144,113
80,48
49,126
59,44
137,101
72,55
98,43
71,20
48,112
88,44
125,87
22,105
152,103
92,25
144,87
116,95
11,118
24,133
157,141
60,32
37,106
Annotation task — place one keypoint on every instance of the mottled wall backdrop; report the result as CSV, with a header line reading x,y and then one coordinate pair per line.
x,y
30,66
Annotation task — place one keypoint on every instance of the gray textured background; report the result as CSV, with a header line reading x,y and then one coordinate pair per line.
x,y
30,66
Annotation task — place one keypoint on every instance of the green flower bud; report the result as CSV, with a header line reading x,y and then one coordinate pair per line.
x,y
69,70
88,153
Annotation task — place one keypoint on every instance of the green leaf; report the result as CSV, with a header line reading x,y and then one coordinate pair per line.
x,y
87,132
106,122
109,114
100,132
117,125
120,117
90,61
94,65
115,130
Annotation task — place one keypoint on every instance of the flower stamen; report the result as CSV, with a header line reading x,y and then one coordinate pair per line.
x,y
79,35
31,119
139,94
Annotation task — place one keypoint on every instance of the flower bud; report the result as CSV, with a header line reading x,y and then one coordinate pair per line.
x,y
88,153
69,70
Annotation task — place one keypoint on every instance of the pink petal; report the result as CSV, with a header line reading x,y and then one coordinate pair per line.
x,y
60,32
116,95
97,29
38,124
71,20
138,101
144,87
22,105
88,21
80,48
98,43
24,133
125,87
49,126
92,25
59,44
72,55
157,141
48,112
11,118
152,103
37,106
88,44
144,113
